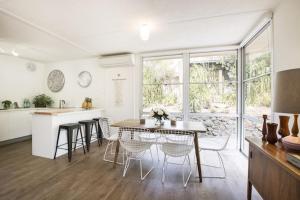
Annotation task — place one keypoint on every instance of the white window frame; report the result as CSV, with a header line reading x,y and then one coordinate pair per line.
x,y
244,116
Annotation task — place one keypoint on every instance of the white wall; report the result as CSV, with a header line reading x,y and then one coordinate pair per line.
x,y
287,35
72,93
17,82
124,109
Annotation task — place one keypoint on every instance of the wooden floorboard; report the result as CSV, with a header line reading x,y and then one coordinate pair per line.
x,y
23,176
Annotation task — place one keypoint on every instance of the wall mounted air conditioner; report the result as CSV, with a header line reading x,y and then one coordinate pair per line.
x,y
117,60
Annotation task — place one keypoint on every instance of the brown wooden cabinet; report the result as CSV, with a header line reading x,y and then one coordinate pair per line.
x,y
270,173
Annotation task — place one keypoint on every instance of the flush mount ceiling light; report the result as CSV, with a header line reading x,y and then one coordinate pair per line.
x,y
144,32
14,53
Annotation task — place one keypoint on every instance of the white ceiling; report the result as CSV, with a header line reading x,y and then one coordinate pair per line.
x,y
53,30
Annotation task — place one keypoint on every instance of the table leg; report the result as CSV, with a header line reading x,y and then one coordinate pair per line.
x,y
198,156
249,190
117,149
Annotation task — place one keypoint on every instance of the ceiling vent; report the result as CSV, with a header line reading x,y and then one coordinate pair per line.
x,y
117,60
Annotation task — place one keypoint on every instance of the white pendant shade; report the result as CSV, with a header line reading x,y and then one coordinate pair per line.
x,y
144,32
14,53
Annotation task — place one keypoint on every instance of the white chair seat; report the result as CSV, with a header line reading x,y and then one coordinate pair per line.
x,y
212,143
135,147
176,150
113,137
149,137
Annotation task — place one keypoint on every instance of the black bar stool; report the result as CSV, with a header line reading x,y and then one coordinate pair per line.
x,y
69,130
99,132
88,127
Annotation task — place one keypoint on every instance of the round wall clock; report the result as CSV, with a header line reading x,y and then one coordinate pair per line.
x,y
56,80
84,79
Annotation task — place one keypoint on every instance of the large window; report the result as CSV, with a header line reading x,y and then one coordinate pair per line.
x,y
213,83
257,65
205,87
163,83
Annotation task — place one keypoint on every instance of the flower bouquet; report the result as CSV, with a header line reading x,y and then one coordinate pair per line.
x,y
159,114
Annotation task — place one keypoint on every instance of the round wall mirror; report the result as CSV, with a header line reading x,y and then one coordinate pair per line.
x,y
56,80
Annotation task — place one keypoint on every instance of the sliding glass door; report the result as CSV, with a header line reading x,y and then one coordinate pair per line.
x,y
256,83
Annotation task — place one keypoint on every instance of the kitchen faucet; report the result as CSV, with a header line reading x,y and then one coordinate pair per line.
x,y
62,103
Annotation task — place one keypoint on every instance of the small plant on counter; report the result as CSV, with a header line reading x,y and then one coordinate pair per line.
x,y
6,104
42,101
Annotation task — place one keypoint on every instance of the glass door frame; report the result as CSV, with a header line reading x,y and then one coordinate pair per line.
x,y
244,116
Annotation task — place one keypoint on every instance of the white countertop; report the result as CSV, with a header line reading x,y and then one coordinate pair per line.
x,y
64,111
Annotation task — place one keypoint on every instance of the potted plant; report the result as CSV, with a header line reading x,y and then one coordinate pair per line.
x,y
42,101
159,114
6,104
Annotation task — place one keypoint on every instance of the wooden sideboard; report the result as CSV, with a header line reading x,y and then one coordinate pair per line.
x,y
270,173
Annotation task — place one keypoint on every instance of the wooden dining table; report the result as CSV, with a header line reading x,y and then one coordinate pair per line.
x,y
186,127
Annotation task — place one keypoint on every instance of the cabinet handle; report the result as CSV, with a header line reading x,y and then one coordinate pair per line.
x,y
250,154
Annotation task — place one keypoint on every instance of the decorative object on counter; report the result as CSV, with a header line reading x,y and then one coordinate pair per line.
x,y
159,114
84,79
294,159
142,121
6,104
272,135
287,98
62,103
291,143
16,105
42,101
87,104
56,80
283,126
173,122
295,129
264,128
26,103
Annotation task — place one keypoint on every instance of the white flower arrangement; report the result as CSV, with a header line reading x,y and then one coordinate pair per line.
x,y
159,114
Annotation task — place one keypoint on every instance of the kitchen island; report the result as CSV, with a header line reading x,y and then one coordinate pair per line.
x,y
45,125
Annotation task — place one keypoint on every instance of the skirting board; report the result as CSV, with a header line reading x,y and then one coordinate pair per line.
x,y
15,140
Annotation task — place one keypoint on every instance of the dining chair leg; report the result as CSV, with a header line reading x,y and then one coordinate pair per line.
x,y
117,150
157,153
108,150
163,169
187,157
141,167
126,166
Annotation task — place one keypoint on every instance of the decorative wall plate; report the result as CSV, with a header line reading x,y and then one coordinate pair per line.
x,y
84,79
56,80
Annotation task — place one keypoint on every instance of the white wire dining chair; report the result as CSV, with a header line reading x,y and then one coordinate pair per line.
x,y
135,149
152,137
177,144
112,137
215,144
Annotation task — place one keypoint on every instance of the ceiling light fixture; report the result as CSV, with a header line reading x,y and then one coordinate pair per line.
x,y
144,32
14,53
